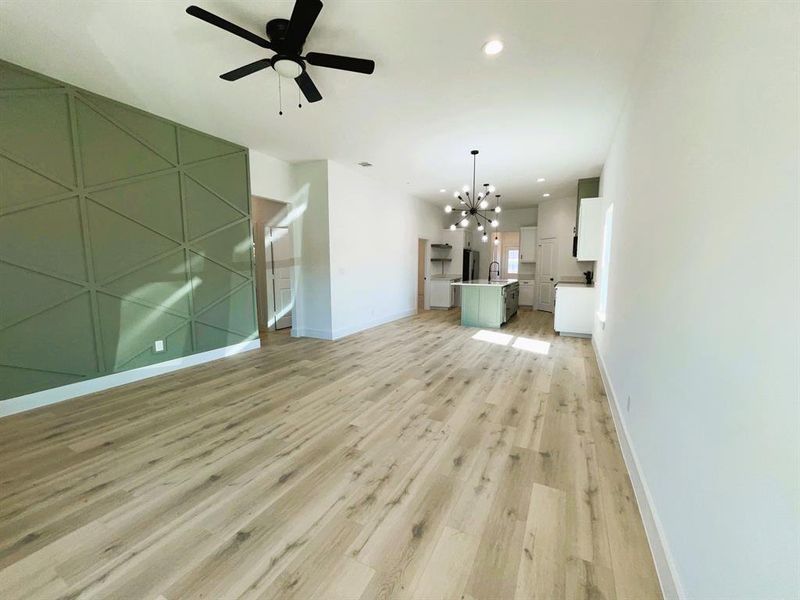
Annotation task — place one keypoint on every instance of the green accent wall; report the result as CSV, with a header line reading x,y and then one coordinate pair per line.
x,y
117,228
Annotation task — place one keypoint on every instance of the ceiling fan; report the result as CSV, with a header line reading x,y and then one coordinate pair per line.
x,y
286,38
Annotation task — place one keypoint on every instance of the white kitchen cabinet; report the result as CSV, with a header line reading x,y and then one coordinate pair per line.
x,y
443,294
526,292
574,311
527,244
590,229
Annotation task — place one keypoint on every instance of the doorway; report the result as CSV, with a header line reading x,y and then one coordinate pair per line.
x,y
422,275
280,286
546,274
264,213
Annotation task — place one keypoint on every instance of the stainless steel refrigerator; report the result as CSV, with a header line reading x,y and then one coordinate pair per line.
x,y
471,265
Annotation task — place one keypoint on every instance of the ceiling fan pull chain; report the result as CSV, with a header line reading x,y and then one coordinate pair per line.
x,y
280,98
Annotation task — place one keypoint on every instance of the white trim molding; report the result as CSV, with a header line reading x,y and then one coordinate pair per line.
x,y
665,565
27,402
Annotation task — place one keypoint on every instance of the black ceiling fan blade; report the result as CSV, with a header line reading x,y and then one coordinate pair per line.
x,y
208,17
308,88
304,14
344,63
246,70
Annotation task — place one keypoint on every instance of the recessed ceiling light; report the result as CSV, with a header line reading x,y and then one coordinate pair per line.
x,y
493,47
442,191
545,195
364,163
540,180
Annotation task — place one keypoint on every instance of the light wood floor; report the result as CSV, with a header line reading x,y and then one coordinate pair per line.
x,y
408,461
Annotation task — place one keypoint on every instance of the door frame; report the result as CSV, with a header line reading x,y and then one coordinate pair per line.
x,y
424,244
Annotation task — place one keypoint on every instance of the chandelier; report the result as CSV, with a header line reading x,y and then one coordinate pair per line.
x,y
476,206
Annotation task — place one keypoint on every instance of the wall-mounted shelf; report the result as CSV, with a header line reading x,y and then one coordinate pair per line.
x,y
442,246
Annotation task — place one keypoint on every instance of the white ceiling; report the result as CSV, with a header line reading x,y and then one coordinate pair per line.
x,y
545,107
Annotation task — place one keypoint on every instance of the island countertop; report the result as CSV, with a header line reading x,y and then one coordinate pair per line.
x,y
482,282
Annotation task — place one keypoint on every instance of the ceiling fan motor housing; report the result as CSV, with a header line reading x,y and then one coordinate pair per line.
x,y
276,30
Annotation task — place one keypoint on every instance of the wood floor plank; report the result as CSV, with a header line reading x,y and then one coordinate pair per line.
x,y
416,460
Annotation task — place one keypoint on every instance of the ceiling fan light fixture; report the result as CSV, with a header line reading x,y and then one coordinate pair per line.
x,y
493,47
288,68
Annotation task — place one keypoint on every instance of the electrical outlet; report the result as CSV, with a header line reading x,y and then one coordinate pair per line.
x,y
159,346
628,405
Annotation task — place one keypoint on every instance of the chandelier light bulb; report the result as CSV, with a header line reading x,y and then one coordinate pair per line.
x,y
465,188
463,213
496,241
452,227
480,227
497,209
491,189
448,209
484,238
495,223
464,222
484,204
455,194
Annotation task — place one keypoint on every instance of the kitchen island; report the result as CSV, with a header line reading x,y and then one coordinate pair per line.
x,y
488,303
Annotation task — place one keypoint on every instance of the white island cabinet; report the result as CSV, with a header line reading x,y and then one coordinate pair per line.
x,y
574,312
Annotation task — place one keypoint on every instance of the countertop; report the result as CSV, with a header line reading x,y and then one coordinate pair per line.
x,y
573,284
482,282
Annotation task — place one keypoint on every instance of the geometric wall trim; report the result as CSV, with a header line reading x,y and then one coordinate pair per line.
x,y
46,238
154,202
20,185
42,119
96,135
120,243
210,281
117,228
205,212
226,177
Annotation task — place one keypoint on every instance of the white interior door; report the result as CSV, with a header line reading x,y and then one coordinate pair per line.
x,y
546,274
280,275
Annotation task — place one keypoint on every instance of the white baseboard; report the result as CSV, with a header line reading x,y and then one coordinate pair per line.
x,y
65,392
665,566
320,334
351,329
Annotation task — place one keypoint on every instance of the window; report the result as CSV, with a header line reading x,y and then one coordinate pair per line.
x,y
512,261
605,262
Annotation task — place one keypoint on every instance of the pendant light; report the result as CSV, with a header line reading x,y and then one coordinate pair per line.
x,y
475,206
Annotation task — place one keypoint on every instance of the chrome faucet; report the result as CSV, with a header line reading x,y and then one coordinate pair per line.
x,y
494,262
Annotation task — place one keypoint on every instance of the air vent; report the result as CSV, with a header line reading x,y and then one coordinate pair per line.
x,y
364,163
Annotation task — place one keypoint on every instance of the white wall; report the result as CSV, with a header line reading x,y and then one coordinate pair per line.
x,y
557,220
703,174
373,249
270,177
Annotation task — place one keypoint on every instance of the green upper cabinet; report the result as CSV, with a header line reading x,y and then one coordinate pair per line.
x,y
117,228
